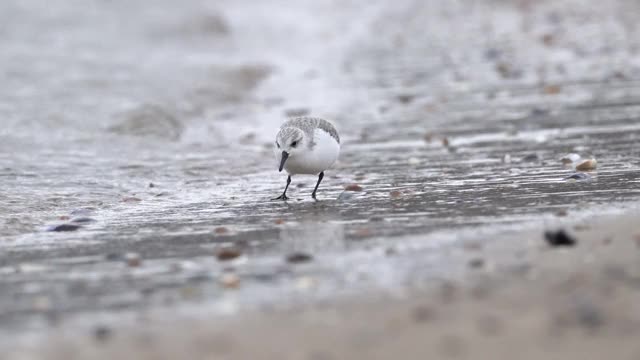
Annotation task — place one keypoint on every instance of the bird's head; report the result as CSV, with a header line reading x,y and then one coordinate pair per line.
x,y
289,142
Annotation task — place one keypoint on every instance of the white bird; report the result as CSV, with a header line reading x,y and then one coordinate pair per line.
x,y
306,145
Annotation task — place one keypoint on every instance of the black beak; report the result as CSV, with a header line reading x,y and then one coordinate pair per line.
x,y
285,156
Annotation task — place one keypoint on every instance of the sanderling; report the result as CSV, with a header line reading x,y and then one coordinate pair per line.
x,y
306,145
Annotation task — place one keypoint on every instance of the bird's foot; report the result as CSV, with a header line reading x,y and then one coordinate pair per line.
x,y
282,197
313,196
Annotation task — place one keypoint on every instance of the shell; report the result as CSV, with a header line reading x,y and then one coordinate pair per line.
x,y
587,165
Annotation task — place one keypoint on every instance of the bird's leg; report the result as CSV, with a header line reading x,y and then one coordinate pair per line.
x,y
284,194
313,194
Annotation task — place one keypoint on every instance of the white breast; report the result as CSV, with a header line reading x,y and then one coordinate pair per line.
x,y
321,157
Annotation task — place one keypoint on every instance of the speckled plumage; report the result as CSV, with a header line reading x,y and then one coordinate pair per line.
x,y
308,125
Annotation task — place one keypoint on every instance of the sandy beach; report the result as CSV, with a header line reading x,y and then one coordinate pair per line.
x,y
484,204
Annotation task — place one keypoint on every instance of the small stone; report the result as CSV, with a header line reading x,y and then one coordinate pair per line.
x,y
362,233
552,89
445,142
64,218
530,158
636,239
587,165
422,314
376,218
298,258
547,39
83,220
113,257
132,259
279,221
230,281
226,254
102,333
152,185
405,98
395,194
476,263
131,199
64,228
221,230
353,187
559,238
561,213
539,111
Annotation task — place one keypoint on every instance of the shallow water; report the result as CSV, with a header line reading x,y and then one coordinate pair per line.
x,y
157,123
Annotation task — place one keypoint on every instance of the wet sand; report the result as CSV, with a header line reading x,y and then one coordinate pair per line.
x,y
507,298
148,133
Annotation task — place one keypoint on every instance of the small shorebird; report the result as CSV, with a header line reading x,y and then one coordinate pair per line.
x,y
306,145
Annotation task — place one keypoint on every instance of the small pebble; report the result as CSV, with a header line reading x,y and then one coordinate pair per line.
x,y
552,89
279,221
587,165
353,187
131,199
113,257
562,213
298,258
220,230
530,158
152,185
445,142
64,228
227,254
395,194
476,263
83,220
361,233
422,314
102,333
636,238
132,259
559,238
230,281
405,98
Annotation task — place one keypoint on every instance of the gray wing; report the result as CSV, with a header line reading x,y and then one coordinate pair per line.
x,y
309,124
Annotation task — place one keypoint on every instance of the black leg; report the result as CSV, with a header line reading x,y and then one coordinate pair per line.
x,y
284,194
313,194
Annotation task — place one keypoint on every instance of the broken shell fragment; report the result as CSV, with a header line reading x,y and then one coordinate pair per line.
x,y
587,165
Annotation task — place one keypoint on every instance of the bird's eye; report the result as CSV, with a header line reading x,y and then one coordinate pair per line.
x,y
294,144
